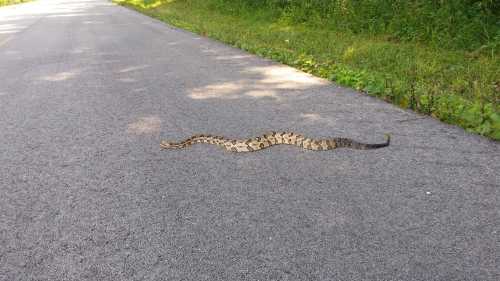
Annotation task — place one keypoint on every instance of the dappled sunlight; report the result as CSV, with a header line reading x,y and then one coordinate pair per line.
x,y
234,57
127,80
285,77
11,53
132,68
262,94
318,119
210,51
10,28
79,50
140,90
61,76
74,15
16,18
144,126
315,118
311,116
93,22
274,82
241,60
223,90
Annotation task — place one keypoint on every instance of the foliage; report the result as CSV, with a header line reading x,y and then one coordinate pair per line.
x,y
456,86
10,2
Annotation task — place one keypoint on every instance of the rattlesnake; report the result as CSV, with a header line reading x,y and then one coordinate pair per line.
x,y
271,139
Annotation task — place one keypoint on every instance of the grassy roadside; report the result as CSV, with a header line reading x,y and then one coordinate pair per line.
x,y
11,2
458,87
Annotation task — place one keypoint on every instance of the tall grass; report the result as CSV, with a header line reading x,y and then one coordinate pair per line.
x,y
454,24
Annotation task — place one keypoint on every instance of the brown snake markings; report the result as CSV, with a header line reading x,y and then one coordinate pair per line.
x,y
271,139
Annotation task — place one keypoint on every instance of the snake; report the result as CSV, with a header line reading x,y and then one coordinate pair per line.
x,y
274,138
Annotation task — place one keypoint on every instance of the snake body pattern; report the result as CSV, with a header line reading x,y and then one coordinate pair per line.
x,y
274,138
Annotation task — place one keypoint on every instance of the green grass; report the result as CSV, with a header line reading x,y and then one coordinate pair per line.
x,y
457,86
11,2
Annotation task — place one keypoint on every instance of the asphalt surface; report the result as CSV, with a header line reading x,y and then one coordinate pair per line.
x,y
87,91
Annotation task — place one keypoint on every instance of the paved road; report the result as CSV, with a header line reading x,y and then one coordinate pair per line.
x,y
87,91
